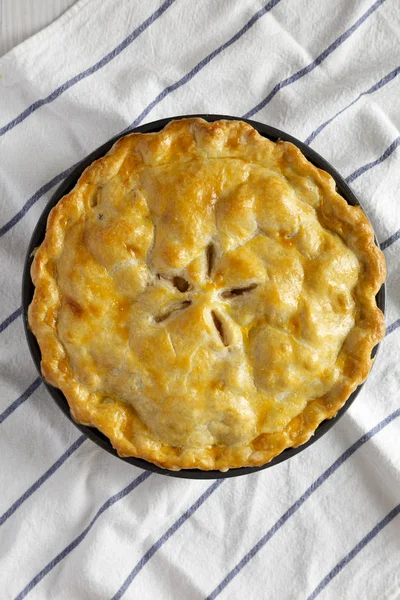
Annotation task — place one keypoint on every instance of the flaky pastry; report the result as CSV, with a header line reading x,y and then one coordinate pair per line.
x,y
205,297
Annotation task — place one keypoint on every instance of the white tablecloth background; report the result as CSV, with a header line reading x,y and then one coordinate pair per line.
x,y
75,522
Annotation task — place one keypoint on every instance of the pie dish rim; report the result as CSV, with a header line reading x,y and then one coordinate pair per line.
x,y
28,289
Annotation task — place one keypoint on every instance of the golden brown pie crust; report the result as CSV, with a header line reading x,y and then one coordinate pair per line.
x,y
205,297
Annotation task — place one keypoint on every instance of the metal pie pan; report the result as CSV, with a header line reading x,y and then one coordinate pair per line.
x,y
27,294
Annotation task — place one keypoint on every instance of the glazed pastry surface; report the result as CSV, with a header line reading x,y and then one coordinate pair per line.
x,y
205,297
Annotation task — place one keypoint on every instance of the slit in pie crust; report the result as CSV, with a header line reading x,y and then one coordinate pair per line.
x,y
205,297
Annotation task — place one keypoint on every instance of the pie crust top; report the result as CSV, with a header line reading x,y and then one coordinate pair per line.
x,y
205,297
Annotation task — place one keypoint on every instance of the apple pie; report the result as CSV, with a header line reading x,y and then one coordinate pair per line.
x,y
205,297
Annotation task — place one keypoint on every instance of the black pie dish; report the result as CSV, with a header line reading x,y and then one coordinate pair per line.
x,y
28,289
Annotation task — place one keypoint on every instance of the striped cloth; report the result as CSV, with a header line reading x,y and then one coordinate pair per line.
x,y
77,523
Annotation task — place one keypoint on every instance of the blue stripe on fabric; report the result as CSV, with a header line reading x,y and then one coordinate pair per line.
x,y
129,488
305,70
10,409
96,67
379,160
36,196
10,319
360,546
200,65
34,487
393,327
295,507
17,313
5,228
377,86
391,240
164,538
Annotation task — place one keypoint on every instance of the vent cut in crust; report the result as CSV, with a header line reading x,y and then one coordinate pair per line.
x,y
204,297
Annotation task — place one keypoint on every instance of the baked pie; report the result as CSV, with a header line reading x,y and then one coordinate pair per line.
x,y
205,297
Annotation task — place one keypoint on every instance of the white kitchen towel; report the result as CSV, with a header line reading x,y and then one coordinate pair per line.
x,y
77,523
